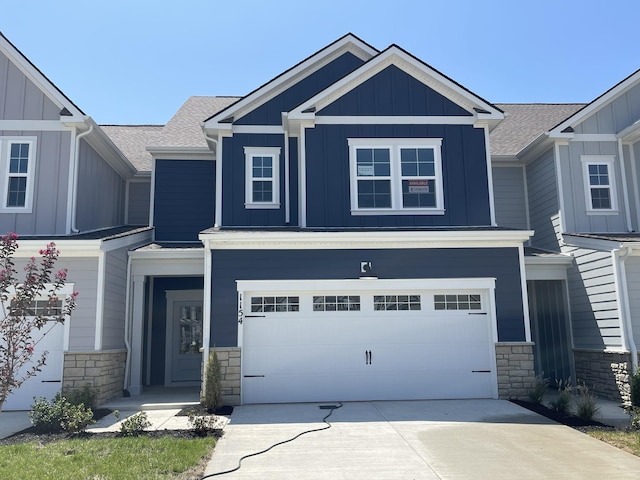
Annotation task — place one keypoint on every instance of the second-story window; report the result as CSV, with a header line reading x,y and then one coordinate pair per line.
x,y
17,159
599,183
396,176
262,186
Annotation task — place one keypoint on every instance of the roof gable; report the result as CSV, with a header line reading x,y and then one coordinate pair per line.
x,y
348,43
414,67
65,106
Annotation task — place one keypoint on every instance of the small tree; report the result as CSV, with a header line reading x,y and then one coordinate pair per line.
x,y
213,383
19,319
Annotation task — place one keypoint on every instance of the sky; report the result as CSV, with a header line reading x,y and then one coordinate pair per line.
x,y
136,61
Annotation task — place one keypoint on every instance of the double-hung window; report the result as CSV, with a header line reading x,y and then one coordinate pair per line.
x,y
397,176
262,187
17,160
599,179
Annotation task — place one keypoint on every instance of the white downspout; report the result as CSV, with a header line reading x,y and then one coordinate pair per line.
x,y
127,324
287,207
626,310
74,199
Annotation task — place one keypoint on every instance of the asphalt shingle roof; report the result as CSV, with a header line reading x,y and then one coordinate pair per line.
x,y
524,122
132,140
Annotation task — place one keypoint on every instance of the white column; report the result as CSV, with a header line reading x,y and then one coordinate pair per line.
x,y
137,335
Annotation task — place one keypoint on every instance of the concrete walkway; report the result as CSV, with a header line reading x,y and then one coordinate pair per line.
x,y
438,439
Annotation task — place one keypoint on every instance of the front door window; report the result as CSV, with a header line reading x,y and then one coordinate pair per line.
x,y
190,329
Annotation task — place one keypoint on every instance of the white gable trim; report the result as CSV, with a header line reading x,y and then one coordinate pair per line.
x,y
35,76
420,71
598,103
348,43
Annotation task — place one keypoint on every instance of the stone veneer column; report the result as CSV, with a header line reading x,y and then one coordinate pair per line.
x,y
229,358
606,374
516,373
103,370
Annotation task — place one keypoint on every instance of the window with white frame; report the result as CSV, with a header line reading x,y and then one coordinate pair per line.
x,y
399,176
17,158
262,188
599,179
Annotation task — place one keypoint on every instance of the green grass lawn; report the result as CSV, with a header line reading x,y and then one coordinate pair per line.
x,y
108,458
628,441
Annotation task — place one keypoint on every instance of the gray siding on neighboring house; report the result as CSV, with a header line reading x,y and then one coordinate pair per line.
x,y
139,201
543,202
20,99
114,299
615,116
51,179
593,299
101,192
632,266
574,189
509,197
633,176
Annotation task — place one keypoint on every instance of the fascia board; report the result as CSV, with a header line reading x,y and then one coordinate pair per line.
x,y
365,239
38,78
592,243
181,153
348,43
419,70
550,260
168,253
631,133
598,103
68,248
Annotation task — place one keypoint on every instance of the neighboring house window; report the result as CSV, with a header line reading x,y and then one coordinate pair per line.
x,y
262,189
398,176
17,160
599,182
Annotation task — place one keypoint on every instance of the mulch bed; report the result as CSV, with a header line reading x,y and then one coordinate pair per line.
x,y
201,410
569,420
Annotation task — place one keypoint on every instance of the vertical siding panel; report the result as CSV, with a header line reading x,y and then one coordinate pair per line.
x,y
15,86
632,266
509,197
139,202
114,299
543,201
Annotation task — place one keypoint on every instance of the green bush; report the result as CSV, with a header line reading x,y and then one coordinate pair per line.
x,y
59,415
586,407
86,396
562,403
202,425
539,388
635,389
212,399
634,412
134,425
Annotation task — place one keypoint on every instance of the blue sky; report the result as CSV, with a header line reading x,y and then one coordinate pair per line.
x,y
137,61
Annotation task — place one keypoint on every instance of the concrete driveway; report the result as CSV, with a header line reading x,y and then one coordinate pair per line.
x,y
437,439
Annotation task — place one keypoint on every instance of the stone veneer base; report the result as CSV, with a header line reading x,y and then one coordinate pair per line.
x,y
605,373
229,358
103,370
516,374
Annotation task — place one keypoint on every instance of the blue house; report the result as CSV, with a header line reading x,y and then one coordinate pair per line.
x,y
359,227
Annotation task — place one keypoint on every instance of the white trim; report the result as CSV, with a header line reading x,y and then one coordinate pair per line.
x,y
624,305
395,120
395,145
535,271
181,153
594,137
487,150
609,161
560,190
249,154
260,129
420,71
348,43
625,191
167,264
525,181
34,126
525,297
152,200
30,174
287,200
331,240
206,311
101,276
218,206
635,182
302,176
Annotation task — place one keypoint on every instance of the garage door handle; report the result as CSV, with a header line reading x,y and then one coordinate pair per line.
x,y
477,313
480,371
254,376
51,381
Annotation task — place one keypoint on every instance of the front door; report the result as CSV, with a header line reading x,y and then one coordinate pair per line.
x,y
184,337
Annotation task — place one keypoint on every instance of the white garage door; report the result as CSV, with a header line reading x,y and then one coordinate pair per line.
x,y
48,381
393,340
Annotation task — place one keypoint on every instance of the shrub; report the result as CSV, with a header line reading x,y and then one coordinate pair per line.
x,y
59,415
86,396
134,425
586,407
202,425
635,389
212,399
634,412
539,388
561,403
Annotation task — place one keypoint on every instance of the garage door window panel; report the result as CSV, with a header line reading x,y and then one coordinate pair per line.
x,y
336,303
457,302
396,302
275,304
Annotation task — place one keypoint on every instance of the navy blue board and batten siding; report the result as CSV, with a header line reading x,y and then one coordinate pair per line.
x,y
464,169
231,265
184,199
234,212
270,113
